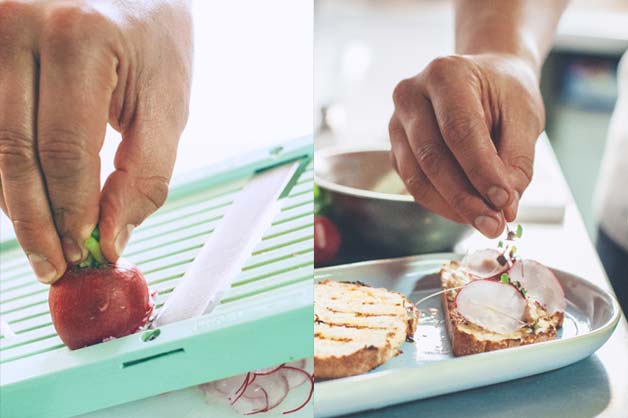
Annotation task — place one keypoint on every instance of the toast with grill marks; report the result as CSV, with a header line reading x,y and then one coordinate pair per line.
x,y
357,327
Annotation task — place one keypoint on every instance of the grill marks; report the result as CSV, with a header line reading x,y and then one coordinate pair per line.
x,y
352,320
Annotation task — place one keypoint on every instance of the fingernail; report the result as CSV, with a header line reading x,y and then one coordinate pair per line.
x,y
44,271
498,196
487,225
71,250
514,206
123,238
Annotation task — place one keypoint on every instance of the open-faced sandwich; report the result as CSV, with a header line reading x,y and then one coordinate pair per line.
x,y
358,327
494,300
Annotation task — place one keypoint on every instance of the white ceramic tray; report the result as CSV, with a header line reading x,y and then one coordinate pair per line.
x,y
427,368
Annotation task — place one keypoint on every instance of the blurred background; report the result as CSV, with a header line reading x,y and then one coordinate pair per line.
x,y
364,47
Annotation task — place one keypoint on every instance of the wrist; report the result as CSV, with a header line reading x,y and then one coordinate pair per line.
x,y
524,55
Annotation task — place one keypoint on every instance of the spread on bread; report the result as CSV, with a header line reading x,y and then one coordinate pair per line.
x,y
494,300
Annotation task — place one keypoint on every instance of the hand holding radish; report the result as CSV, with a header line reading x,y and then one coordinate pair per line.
x,y
66,70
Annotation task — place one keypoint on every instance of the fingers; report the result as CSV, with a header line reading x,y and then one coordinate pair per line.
x,y
439,165
77,78
23,190
144,163
517,151
417,184
463,125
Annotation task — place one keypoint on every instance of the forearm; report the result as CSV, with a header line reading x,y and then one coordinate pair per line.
x,y
524,28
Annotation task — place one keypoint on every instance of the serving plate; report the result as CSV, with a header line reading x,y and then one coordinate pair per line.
x,y
427,368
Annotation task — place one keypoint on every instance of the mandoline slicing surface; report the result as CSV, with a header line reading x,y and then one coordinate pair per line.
x,y
263,320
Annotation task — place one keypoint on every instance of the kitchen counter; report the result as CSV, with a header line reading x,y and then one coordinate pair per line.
x,y
362,50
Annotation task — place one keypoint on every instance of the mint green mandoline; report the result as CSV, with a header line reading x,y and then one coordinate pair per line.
x,y
264,319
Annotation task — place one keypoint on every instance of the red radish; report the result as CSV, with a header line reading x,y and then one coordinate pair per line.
x,y
483,264
493,305
326,240
540,284
99,301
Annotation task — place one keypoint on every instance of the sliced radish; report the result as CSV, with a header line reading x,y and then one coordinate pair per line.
x,y
268,370
246,405
495,306
540,284
275,386
230,385
483,264
299,364
295,376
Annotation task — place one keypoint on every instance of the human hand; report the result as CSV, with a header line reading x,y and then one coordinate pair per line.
x,y
463,134
66,70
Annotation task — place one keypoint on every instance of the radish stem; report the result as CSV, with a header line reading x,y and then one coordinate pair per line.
x,y
95,258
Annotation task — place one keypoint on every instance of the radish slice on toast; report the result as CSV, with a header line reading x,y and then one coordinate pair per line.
x,y
483,264
540,284
495,306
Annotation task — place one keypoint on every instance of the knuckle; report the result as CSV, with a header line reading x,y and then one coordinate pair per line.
x,y
70,27
461,202
430,159
16,153
417,187
394,129
62,153
28,227
440,68
524,166
14,17
154,190
458,130
403,91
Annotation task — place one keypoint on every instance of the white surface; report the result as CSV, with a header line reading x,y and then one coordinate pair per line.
x,y
252,82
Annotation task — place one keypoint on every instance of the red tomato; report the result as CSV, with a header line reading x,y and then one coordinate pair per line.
x,y
326,240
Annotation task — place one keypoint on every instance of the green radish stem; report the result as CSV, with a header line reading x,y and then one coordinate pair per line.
x,y
95,257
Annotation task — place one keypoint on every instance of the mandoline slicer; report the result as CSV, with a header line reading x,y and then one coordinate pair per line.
x,y
263,320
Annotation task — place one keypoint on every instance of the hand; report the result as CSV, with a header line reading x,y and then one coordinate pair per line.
x,y
66,69
463,135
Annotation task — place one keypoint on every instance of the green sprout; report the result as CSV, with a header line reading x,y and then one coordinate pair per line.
x,y
504,278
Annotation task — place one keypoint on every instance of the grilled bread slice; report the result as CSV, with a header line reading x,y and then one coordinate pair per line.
x,y
468,338
357,327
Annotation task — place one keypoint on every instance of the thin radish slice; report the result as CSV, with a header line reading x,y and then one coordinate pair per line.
x,y
268,370
540,284
483,264
495,306
295,376
299,364
252,405
309,396
231,385
275,385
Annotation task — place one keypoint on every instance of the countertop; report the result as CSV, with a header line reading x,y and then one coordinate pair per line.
x,y
369,48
